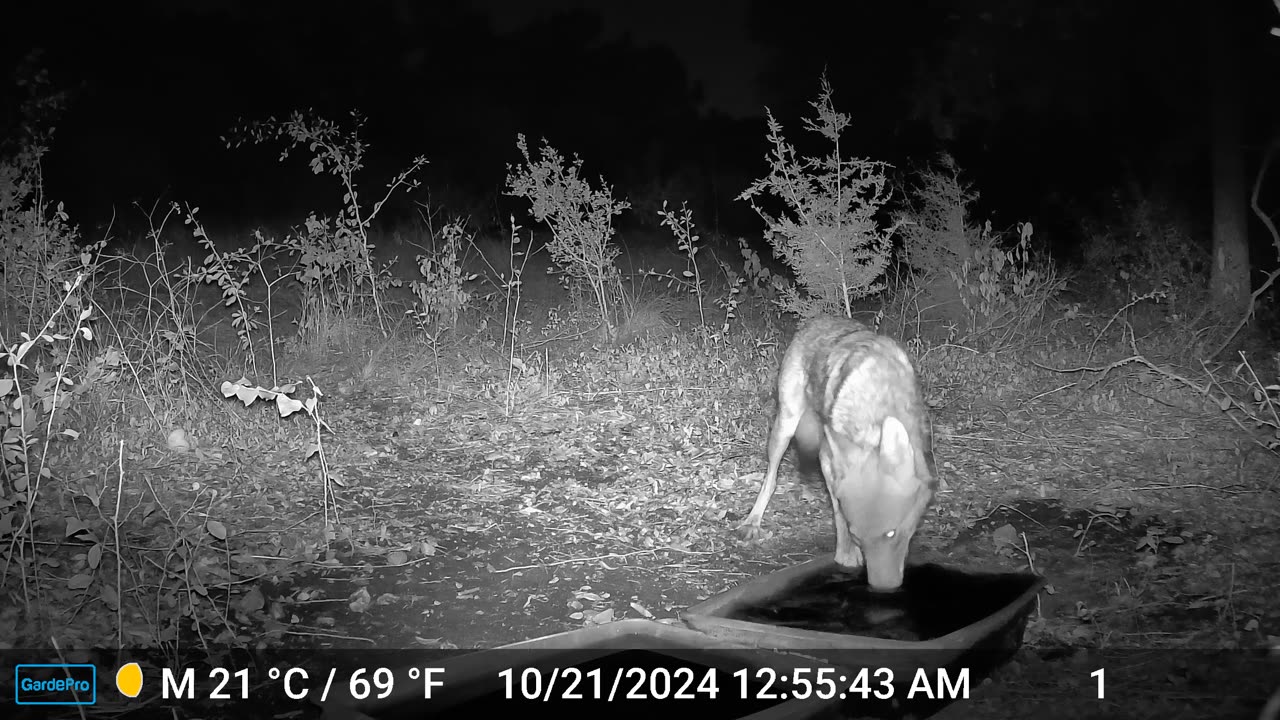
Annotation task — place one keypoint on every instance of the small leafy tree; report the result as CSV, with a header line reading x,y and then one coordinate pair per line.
x,y
1005,291
936,231
683,228
831,239
53,368
38,243
335,256
442,292
581,221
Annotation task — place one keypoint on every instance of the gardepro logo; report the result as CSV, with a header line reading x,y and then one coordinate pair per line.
x,y
55,684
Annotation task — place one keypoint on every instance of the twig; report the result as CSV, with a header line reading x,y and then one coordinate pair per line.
x,y
1086,368
1154,294
1189,486
66,671
335,636
1003,506
1026,550
947,345
1033,398
594,558
1230,403
1262,390
593,394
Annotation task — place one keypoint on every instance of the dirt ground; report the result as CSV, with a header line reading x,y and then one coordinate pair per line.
x,y
611,487
1156,530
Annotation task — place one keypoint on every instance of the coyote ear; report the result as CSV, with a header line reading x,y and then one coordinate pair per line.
x,y
895,447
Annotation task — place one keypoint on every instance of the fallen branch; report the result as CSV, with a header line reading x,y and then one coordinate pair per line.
x,y
1226,402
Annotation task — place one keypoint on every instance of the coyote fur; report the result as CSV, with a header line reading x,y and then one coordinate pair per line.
x,y
851,397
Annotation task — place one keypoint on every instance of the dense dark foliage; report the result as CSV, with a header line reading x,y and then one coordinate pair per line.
x,y
1049,106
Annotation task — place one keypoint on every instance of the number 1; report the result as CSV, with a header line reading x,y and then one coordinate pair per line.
x,y
1098,674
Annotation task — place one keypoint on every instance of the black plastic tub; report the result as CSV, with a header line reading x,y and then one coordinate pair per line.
x,y
821,609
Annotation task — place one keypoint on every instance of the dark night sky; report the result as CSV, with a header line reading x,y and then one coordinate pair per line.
x,y
714,44
1053,104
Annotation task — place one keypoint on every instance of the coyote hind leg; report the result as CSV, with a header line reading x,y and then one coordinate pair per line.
x,y
791,407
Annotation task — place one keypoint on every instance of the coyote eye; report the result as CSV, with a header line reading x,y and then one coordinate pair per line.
x,y
891,533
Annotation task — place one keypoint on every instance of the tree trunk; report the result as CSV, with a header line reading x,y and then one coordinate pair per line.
x,y
1229,281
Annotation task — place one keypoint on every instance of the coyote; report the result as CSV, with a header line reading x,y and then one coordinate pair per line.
x,y
851,397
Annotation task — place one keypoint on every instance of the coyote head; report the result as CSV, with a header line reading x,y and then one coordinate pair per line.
x,y
881,485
